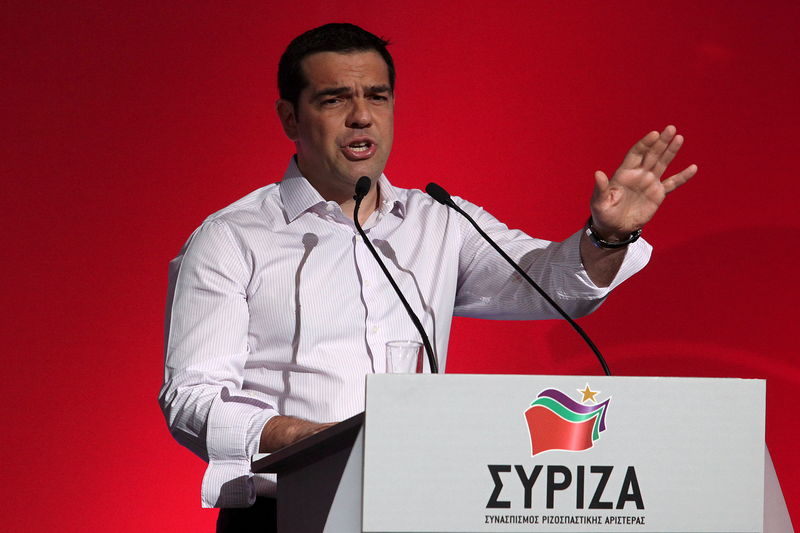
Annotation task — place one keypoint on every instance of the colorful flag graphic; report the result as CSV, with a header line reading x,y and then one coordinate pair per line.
x,y
557,422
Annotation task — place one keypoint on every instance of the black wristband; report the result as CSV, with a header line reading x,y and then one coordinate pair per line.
x,y
600,243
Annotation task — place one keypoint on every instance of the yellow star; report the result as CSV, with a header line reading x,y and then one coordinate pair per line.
x,y
588,394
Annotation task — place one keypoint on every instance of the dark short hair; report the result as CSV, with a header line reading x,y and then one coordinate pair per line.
x,y
334,37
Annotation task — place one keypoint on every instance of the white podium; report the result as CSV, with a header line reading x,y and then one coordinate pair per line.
x,y
463,453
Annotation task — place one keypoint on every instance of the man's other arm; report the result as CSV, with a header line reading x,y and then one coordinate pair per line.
x,y
281,431
627,201
207,321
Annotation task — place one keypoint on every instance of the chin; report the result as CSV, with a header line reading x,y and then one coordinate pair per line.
x,y
371,172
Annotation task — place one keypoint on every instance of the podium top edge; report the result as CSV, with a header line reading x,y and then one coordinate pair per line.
x,y
319,443
570,376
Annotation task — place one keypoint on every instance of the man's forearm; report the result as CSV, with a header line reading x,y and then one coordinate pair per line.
x,y
281,431
601,264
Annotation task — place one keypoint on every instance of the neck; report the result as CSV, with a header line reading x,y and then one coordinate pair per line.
x,y
342,193
345,199
368,205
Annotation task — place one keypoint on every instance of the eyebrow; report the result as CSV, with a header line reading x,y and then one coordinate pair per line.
x,y
338,91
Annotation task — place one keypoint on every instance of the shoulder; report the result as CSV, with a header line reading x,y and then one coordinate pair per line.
x,y
421,203
261,204
234,226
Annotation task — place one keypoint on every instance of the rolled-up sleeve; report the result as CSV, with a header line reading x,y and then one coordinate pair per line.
x,y
206,350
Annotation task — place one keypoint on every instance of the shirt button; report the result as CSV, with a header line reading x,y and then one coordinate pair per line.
x,y
374,329
328,208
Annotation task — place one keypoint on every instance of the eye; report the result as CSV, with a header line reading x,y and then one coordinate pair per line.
x,y
330,101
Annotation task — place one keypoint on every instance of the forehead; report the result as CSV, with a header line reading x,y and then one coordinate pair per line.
x,y
336,69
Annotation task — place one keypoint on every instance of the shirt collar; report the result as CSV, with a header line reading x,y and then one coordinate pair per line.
x,y
391,201
299,196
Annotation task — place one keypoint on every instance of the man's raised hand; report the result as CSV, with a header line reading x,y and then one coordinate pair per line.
x,y
634,193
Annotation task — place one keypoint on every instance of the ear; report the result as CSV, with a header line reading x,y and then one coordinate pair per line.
x,y
287,117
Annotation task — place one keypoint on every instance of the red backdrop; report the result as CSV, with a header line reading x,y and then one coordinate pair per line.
x,y
125,124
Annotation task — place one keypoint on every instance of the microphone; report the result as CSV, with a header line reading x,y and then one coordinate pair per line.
x,y
440,195
362,188
443,197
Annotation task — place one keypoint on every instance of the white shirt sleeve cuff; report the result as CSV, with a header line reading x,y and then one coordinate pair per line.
x,y
580,286
234,430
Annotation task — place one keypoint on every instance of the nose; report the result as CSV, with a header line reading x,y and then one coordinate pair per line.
x,y
360,115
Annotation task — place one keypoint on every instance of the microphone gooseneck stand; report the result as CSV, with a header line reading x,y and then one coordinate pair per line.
x,y
362,188
443,197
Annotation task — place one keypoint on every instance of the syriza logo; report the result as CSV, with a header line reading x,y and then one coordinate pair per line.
x,y
557,422
547,491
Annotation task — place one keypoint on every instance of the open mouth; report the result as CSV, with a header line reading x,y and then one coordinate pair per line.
x,y
359,149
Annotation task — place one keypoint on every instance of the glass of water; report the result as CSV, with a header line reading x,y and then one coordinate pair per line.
x,y
403,357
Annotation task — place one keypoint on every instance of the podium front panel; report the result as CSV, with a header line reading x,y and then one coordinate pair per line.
x,y
446,453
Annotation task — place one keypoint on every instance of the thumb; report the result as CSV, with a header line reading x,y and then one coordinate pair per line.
x,y
601,180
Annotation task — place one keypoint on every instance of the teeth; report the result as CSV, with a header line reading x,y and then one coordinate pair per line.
x,y
359,147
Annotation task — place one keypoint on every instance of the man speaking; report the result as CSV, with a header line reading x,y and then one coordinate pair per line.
x,y
276,310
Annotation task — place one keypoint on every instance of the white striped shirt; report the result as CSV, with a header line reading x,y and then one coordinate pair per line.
x,y
276,306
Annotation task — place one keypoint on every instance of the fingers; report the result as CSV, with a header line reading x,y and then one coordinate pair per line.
x,y
652,149
636,154
659,148
675,181
667,155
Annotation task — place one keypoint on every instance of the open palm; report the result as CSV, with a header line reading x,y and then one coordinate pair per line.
x,y
631,197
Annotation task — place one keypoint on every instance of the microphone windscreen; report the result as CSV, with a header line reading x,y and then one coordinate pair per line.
x,y
362,186
438,193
